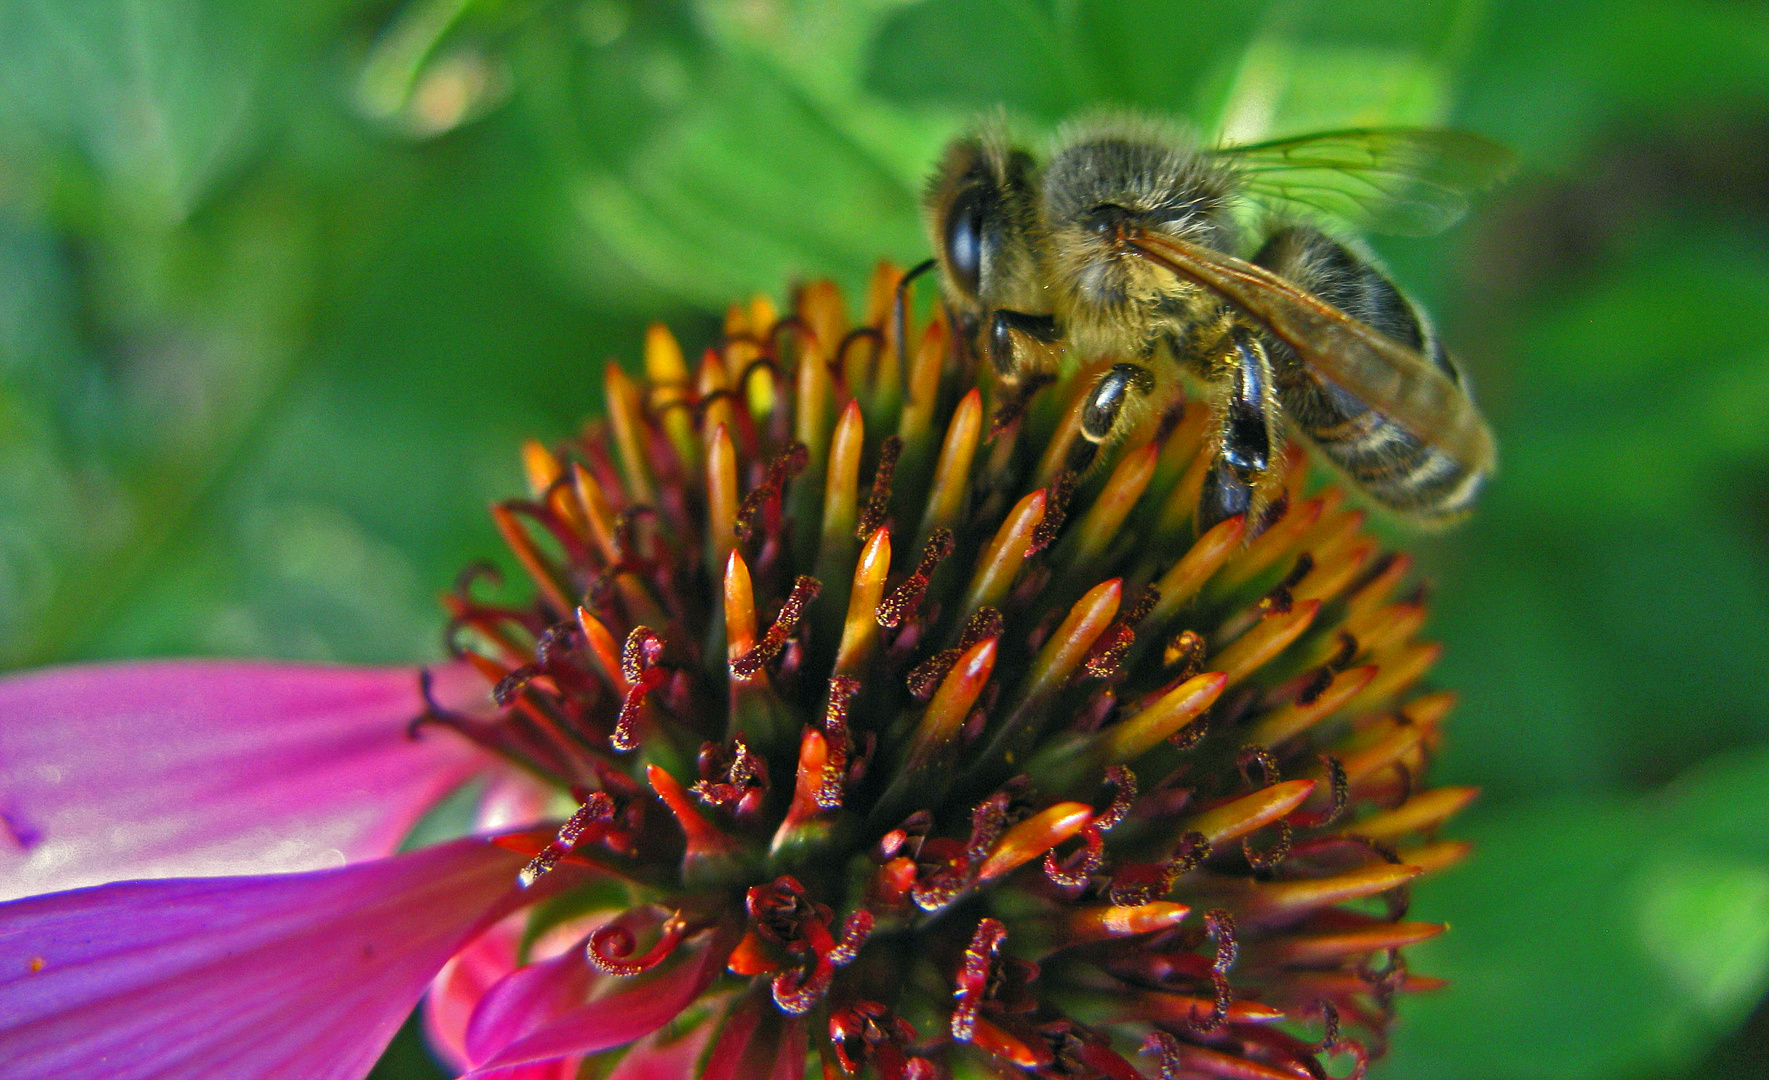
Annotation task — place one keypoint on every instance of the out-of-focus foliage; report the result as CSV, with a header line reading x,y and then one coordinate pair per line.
x,y
282,285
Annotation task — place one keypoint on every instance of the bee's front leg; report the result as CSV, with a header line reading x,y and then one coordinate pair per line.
x,y
1015,339
1105,406
1025,352
1246,439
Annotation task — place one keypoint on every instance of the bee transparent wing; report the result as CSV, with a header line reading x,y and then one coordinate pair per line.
x,y
1405,181
1394,380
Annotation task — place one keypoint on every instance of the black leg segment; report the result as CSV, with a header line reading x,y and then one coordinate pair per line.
x,y
1004,352
1225,495
1245,442
1104,405
1246,433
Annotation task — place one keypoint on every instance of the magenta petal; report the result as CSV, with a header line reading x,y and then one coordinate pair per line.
x,y
664,1055
196,768
758,1040
287,977
626,1013
789,1059
526,999
463,981
560,1069
729,1053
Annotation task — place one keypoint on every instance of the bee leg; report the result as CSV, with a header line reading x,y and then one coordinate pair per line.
x,y
1105,404
1245,441
1021,348
1224,496
900,315
1006,352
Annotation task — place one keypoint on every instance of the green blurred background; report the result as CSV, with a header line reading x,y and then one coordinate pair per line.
x,y
282,286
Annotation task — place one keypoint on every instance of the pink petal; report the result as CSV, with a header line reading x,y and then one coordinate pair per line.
x,y
287,977
627,1013
734,1039
664,1055
478,973
756,1040
462,982
195,768
526,999
789,1059
560,1069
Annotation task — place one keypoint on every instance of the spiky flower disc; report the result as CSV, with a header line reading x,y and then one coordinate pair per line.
x,y
946,761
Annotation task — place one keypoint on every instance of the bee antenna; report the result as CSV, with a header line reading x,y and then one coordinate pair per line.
x,y
900,318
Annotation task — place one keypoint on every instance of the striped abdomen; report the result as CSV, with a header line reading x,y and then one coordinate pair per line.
x,y
1395,468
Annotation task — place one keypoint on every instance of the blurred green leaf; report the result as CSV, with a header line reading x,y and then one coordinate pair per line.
x,y
1720,804
1577,654
596,80
977,54
1644,350
1598,937
1245,69
1553,78
181,341
755,184
439,348
1615,574
1323,66
1706,925
163,100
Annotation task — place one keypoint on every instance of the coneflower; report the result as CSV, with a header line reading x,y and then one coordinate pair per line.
x,y
901,750
881,744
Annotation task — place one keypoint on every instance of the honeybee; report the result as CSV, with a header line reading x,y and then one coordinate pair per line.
x,y
1123,244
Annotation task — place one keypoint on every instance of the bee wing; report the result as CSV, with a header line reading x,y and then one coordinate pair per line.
x,y
1405,181
1394,380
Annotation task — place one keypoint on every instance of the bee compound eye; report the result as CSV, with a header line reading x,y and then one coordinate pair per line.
x,y
964,238
1108,219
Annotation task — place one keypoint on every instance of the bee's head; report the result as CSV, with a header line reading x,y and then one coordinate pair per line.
x,y
1106,184
983,225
